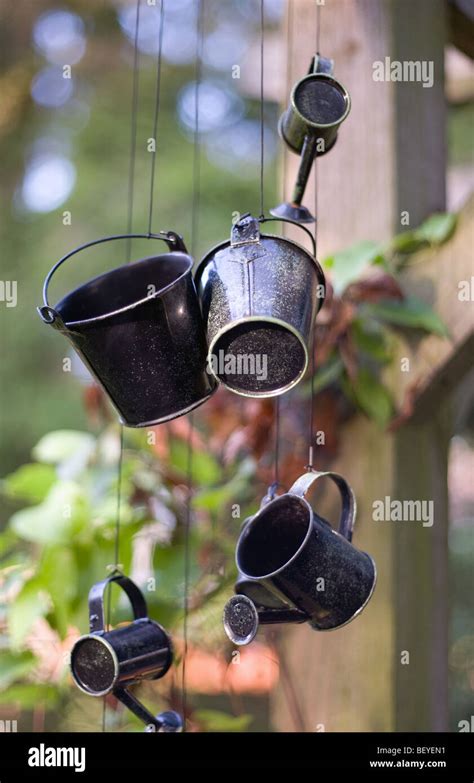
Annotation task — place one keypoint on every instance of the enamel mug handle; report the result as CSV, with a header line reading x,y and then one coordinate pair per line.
x,y
349,507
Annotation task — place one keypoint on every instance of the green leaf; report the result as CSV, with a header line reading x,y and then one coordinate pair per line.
x,y
437,228
348,265
168,562
215,498
372,397
29,695
206,470
15,666
213,720
371,339
410,312
64,445
327,374
31,482
408,242
31,603
56,563
63,513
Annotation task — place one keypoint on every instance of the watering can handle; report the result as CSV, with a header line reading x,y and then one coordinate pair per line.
x,y
349,507
96,601
173,240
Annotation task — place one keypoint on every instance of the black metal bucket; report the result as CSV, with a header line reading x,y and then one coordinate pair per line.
x,y
139,330
110,661
293,567
260,295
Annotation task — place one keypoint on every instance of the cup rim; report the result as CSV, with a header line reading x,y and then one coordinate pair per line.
x,y
327,78
254,520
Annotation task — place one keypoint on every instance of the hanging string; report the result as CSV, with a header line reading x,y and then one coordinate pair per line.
x,y
312,363
318,27
133,133
276,467
156,113
131,183
196,175
262,113
289,64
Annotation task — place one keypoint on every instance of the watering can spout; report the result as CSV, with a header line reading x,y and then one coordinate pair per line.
x,y
242,618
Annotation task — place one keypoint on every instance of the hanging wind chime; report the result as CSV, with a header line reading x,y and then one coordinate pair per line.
x,y
156,340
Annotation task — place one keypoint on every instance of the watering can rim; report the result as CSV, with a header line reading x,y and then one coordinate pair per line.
x,y
133,305
227,243
320,77
99,636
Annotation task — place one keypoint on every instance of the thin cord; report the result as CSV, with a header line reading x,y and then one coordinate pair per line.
x,y
116,551
187,564
196,140
276,473
312,366
119,502
318,27
133,134
289,64
156,113
131,184
262,126
194,242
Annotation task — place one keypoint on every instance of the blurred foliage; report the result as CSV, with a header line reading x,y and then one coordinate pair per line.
x,y
356,330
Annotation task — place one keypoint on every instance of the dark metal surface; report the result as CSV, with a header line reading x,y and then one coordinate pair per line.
x,y
259,297
318,105
104,660
294,567
139,330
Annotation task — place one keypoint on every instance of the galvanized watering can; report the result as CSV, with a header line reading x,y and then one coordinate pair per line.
x,y
294,568
260,294
139,330
318,106
105,662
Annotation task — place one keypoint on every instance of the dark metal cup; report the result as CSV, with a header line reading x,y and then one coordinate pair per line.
x,y
318,106
260,294
139,330
293,567
105,662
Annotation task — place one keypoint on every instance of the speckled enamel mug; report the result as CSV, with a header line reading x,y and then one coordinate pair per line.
x,y
293,567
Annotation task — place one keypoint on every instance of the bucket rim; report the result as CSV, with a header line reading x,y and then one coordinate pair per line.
x,y
133,305
171,416
265,319
227,243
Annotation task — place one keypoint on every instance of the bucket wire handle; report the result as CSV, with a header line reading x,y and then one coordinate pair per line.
x,y
349,506
97,595
293,223
49,314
